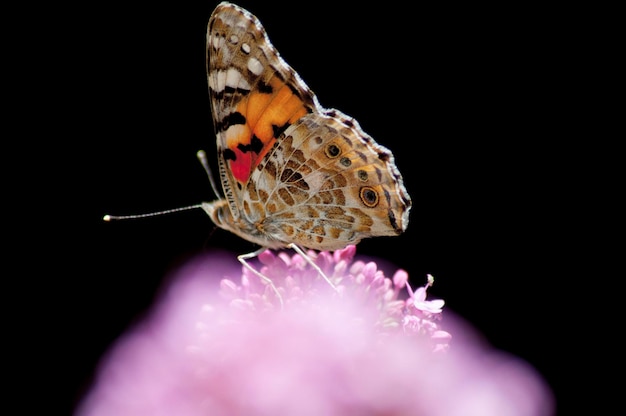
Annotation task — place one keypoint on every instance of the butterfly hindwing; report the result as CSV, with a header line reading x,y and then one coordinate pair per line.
x,y
322,187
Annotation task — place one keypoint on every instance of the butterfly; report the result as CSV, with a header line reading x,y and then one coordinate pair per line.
x,y
293,173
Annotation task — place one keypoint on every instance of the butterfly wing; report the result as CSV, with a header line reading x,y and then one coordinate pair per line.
x,y
254,94
327,184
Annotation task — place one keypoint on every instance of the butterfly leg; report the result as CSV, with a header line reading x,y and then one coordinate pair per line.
x,y
308,260
242,259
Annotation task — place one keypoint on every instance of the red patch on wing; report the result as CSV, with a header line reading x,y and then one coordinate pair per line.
x,y
241,166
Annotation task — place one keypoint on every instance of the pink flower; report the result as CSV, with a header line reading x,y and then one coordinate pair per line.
x,y
365,347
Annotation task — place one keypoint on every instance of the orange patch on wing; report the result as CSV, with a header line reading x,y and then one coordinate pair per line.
x,y
263,112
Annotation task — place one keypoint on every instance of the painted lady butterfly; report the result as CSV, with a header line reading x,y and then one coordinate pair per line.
x,y
294,174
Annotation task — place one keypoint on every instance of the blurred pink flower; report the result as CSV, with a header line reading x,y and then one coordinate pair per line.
x,y
367,348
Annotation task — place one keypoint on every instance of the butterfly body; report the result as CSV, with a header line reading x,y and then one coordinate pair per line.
x,y
292,171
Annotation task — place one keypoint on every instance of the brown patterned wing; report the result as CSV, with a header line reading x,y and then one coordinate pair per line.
x,y
326,184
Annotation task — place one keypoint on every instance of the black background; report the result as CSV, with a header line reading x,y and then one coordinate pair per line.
x,y
475,103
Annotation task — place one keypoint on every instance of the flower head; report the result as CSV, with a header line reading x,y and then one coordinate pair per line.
x,y
370,345
300,285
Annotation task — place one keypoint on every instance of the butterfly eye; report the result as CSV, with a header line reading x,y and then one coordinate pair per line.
x,y
369,196
332,151
362,175
345,161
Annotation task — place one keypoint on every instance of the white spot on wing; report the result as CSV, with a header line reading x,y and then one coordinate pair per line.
x,y
230,78
255,66
220,78
233,134
217,42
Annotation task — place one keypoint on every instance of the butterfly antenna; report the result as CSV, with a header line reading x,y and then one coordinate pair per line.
x,y
151,214
205,164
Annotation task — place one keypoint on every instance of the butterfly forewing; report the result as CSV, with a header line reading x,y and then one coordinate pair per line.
x,y
254,94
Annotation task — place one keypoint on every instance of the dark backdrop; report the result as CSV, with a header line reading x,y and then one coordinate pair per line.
x,y
470,100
